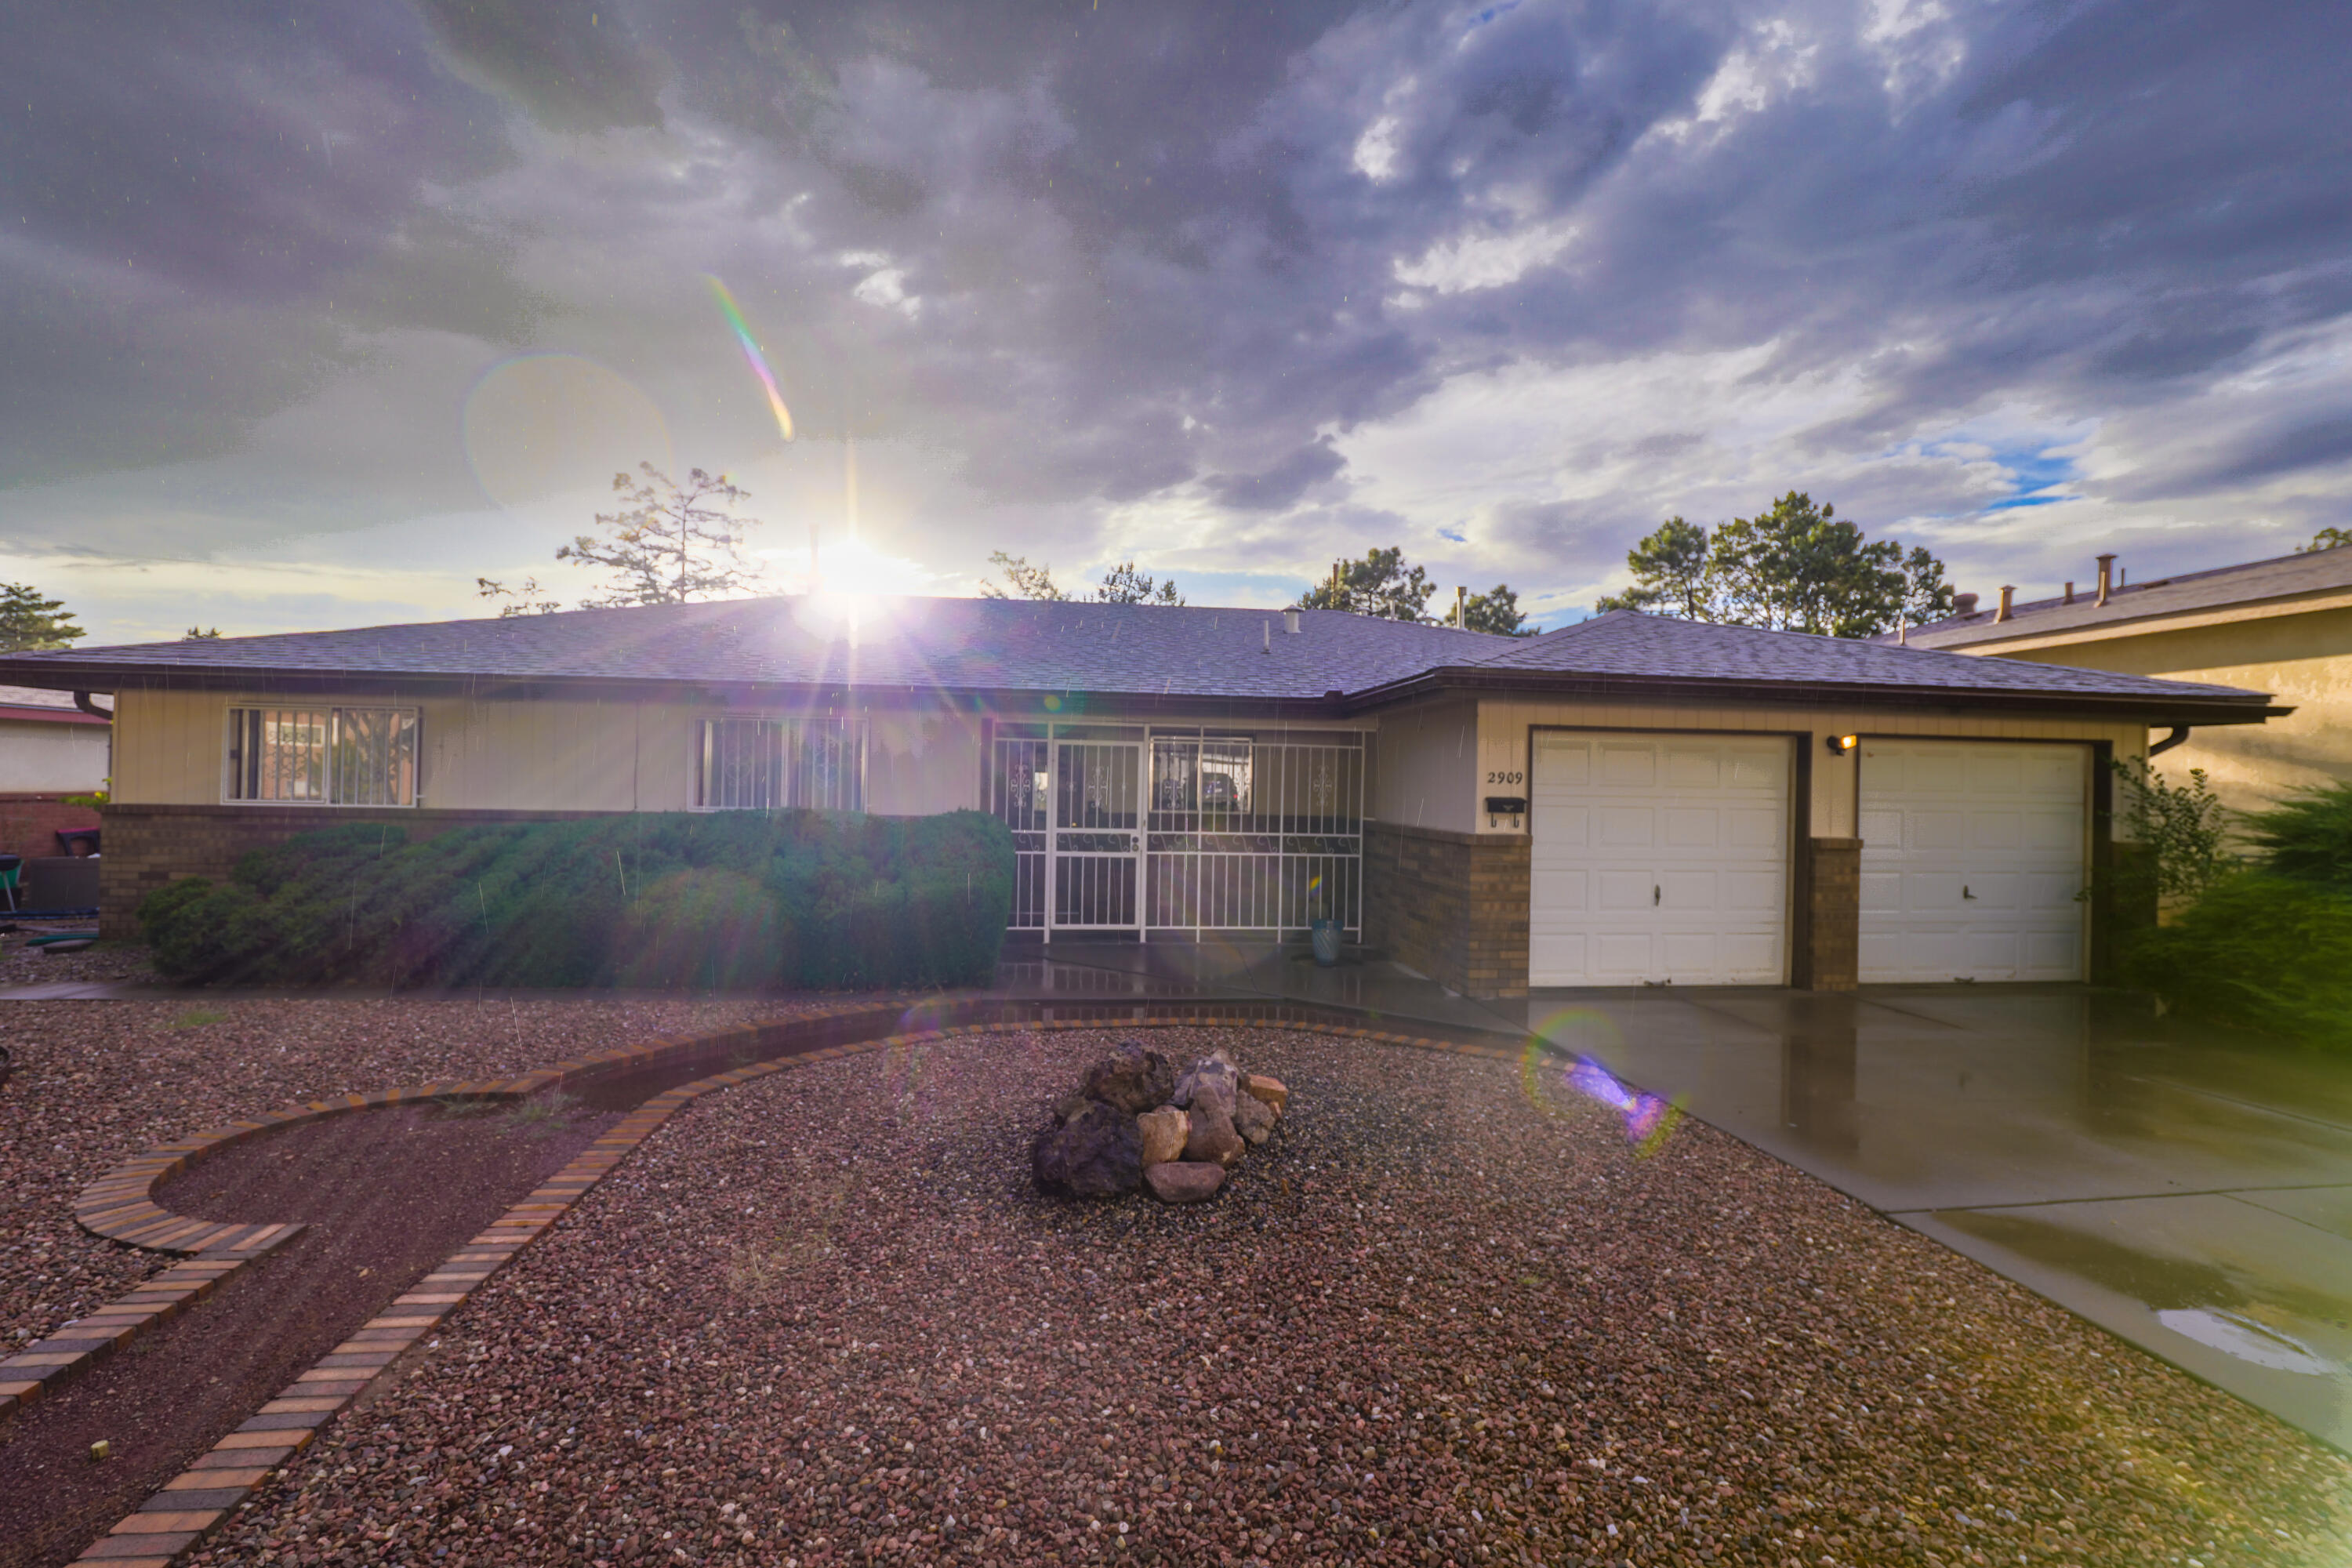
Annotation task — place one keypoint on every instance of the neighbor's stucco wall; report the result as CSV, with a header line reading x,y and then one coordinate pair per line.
x,y
1503,746
41,757
2305,661
545,755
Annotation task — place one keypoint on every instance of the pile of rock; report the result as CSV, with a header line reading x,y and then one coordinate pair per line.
x,y
1137,1123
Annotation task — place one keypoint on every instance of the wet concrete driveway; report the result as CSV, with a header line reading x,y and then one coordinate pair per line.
x,y
2193,1195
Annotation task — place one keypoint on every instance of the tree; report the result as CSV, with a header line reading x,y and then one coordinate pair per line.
x,y
1497,612
198,633
670,542
2327,539
1673,570
30,623
1793,568
527,600
1122,584
1379,584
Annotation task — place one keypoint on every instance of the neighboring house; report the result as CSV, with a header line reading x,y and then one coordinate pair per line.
x,y
1632,800
49,749
2284,626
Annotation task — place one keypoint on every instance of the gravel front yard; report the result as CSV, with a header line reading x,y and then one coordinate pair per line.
x,y
97,1082
1445,1316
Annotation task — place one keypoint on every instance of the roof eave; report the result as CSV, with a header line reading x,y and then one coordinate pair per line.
x,y
2152,707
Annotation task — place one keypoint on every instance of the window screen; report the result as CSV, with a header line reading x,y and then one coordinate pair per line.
x,y
323,757
766,764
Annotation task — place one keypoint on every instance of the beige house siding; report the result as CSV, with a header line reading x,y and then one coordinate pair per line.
x,y
2303,661
1504,746
542,755
1424,769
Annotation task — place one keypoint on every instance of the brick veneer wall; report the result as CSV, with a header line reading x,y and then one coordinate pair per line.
x,y
29,823
150,846
1829,924
1451,905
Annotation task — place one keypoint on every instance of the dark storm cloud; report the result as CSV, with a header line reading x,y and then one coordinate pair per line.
x,y
1094,257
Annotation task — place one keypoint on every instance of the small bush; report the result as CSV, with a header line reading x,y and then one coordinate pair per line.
x,y
2259,951
795,898
2308,838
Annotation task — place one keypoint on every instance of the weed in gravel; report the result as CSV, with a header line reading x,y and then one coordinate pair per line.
x,y
462,1105
546,1112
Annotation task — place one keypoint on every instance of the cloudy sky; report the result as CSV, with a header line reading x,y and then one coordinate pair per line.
x,y
313,315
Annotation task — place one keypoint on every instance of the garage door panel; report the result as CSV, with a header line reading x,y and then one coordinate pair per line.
x,y
1675,868
1690,829
1628,767
1689,769
1972,858
1627,890
1566,764
1934,829
1687,892
1626,826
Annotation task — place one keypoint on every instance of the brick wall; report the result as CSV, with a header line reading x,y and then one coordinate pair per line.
x,y
1452,906
150,846
29,823
1829,915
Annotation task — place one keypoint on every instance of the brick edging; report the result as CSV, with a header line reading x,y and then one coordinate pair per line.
x,y
191,1505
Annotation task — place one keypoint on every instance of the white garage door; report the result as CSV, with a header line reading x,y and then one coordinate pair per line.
x,y
1972,854
1659,858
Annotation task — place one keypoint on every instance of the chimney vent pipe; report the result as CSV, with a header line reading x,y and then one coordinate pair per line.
x,y
1461,609
1964,603
2106,577
2007,592
2070,592
1290,621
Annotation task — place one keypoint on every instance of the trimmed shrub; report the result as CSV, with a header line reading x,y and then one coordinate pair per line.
x,y
2308,837
797,898
2260,951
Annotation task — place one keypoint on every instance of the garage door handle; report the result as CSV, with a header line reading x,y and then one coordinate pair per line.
x,y
1654,897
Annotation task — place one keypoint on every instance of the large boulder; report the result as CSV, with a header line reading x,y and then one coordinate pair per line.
x,y
1165,1131
1097,1153
1213,1077
1257,1086
1212,1137
1252,1119
1134,1078
1185,1180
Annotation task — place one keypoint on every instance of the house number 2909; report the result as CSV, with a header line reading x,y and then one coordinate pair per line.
x,y
1505,778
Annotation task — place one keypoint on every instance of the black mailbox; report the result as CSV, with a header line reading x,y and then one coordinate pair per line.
x,y
1500,807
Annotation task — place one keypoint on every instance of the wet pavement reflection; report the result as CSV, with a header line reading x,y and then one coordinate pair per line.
x,y
2191,1193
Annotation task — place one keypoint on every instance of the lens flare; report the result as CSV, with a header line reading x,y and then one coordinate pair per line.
x,y
1649,1119
751,353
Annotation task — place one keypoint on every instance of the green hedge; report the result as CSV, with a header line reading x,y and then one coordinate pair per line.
x,y
793,900
2271,947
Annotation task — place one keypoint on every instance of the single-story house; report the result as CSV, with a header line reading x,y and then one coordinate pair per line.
x,y
1632,800
2282,626
49,749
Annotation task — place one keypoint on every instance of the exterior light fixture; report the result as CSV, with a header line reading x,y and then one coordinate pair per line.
x,y
1842,745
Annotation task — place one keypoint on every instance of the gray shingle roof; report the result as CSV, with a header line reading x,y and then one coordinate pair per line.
x,y
2283,578
959,645
1627,643
1012,646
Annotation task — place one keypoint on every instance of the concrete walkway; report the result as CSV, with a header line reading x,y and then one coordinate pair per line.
x,y
2193,1197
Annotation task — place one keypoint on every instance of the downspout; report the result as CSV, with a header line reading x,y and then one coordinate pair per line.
x,y
82,701
2179,733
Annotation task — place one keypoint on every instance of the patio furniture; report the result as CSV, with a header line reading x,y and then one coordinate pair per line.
x,y
12,872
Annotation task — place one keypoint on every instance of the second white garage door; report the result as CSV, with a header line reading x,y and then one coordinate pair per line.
x,y
1972,856
1658,858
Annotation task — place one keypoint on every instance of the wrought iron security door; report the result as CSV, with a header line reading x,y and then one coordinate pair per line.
x,y
1094,858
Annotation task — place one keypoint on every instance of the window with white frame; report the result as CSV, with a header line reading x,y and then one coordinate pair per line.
x,y
767,764
323,756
